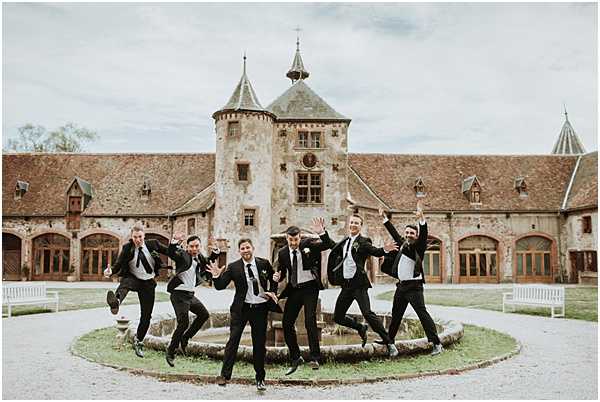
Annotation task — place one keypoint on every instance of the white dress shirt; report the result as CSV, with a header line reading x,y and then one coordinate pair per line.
x,y
303,276
251,298
188,277
140,272
349,263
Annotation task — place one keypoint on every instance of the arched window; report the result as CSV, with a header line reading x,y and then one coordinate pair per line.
x,y
51,253
533,259
97,252
478,260
11,257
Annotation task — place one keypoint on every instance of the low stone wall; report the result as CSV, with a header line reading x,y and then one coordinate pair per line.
x,y
163,325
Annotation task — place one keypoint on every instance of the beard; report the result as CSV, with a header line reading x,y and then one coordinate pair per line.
x,y
411,241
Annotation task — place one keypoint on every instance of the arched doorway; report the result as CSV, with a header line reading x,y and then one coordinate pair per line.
x,y
11,257
51,257
164,273
533,260
478,260
97,252
432,262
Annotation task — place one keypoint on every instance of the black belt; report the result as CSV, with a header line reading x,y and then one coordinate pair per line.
x,y
254,305
304,285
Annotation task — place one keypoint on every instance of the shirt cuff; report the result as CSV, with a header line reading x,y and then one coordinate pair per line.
x,y
422,222
216,250
321,234
174,241
385,219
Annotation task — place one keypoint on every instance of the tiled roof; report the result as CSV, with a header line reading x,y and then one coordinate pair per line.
x,y
392,177
300,102
116,179
584,190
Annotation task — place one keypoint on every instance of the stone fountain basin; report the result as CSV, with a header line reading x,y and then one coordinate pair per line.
x,y
210,340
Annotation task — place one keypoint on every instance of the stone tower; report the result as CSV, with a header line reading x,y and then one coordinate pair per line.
x,y
310,158
243,170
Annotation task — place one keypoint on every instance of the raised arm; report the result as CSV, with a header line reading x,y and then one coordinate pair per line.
x,y
422,240
221,276
391,228
318,226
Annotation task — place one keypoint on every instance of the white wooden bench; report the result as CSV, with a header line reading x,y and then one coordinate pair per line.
x,y
18,294
536,295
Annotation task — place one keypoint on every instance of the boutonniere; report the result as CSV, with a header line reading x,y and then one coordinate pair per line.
x,y
306,250
263,273
355,246
154,254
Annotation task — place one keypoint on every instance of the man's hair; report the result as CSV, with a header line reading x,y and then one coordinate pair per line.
x,y
413,227
244,240
192,238
137,227
293,231
357,216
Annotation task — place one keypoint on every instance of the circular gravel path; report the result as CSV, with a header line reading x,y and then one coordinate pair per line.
x,y
558,360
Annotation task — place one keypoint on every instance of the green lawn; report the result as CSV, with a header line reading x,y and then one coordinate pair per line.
x,y
581,303
78,299
478,345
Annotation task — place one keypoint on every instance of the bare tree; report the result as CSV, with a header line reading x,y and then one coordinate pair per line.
x,y
67,138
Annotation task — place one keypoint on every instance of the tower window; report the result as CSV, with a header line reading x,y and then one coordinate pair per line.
x,y
243,171
191,226
586,224
309,188
309,139
315,139
249,215
233,128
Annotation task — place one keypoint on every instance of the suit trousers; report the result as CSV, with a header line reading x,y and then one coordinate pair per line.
x,y
145,290
306,297
183,302
256,315
412,293
342,304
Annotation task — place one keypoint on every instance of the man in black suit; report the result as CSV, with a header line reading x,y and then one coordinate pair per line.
x,y
302,260
346,268
255,295
137,265
190,271
406,265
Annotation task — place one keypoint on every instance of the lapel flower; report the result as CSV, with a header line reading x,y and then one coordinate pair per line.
x,y
306,250
263,273
154,254
355,246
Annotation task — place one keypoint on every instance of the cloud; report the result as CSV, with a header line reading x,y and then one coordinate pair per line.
x,y
423,78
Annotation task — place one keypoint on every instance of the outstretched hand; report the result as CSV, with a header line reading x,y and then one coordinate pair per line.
x,y
179,236
390,246
318,225
419,212
277,276
272,296
214,269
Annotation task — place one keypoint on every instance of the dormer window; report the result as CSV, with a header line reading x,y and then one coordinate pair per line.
x,y
20,189
146,190
471,188
419,187
521,186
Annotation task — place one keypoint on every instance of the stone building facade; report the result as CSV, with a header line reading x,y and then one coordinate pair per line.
x,y
492,218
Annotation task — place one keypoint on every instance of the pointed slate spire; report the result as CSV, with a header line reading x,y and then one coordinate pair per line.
x,y
243,97
568,142
297,71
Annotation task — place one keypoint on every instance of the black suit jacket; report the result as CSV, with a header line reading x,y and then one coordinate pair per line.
x,y
415,252
361,249
235,272
121,267
183,262
311,261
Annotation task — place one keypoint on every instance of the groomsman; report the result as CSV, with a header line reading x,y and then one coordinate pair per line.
x,y
406,265
190,271
302,260
255,296
137,265
346,268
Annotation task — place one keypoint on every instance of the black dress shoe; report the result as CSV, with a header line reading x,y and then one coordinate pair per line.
x,y
295,364
260,385
113,302
183,344
221,381
170,359
138,347
379,342
313,364
363,334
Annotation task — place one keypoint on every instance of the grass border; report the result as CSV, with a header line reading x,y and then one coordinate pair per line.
x,y
212,379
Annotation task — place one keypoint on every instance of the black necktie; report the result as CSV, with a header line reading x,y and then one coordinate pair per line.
x,y
253,279
198,278
294,275
348,246
142,258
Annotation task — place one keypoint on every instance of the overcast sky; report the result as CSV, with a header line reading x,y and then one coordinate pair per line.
x,y
414,78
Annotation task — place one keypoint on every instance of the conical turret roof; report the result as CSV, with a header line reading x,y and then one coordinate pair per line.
x,y
297,71
243,97
568,142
